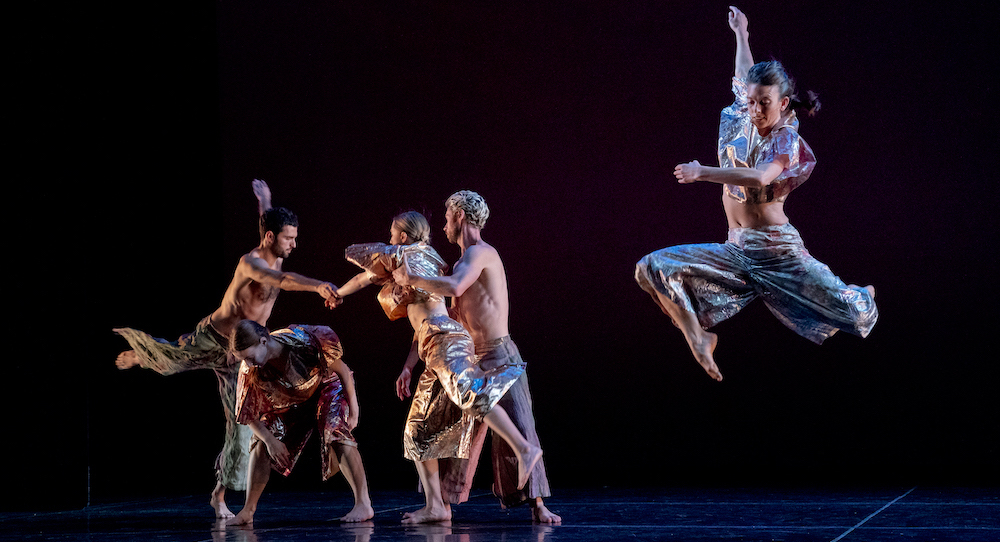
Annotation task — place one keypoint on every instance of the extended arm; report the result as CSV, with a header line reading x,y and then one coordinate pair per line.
x,y
744,59
466,273
258,270
357,282
760,176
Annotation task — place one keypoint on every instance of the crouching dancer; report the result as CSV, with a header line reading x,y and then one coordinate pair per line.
x,y
294,381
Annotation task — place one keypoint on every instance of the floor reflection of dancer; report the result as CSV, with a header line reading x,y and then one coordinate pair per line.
x,y
294,381
478,288
452,393
762,160
251,294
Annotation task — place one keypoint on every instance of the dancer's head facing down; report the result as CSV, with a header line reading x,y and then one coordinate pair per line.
x,y
278,230
771,96
467,205
409,228
248,342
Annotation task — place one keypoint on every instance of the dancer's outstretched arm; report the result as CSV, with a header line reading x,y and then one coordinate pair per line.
x,y
464,275
744,59
758,177
357,282
257,269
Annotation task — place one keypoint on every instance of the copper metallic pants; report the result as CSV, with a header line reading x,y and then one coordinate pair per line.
x,y
457,474
452,392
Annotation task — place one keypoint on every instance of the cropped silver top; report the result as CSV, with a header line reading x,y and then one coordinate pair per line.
x,y
741,146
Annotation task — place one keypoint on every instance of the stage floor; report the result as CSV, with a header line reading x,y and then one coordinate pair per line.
x,y
911,514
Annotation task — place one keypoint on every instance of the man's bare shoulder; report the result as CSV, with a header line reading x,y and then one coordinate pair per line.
x,y
484,251
254,258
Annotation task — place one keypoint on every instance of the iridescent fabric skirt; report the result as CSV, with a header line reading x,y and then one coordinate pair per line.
x,y
452,392
204,348
715,281
325,412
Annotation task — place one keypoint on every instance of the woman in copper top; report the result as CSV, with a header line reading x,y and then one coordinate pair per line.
x,y
762,159
453,392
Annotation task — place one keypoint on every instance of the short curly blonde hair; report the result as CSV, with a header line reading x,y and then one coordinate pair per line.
x,y
476,210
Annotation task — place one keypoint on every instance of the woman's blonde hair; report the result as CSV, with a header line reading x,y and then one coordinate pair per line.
x,y
416,227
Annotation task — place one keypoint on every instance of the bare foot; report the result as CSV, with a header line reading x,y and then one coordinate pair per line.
x,y
427,515
704,350
526,461
360,512
127,359
245,517
219,504
540,514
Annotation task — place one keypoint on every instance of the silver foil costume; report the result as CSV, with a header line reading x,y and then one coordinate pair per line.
x,y
452,392
741,146
457,474
204,348
306,396
715,281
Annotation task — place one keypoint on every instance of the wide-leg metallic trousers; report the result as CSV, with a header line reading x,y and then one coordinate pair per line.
x,y
452,392
715,281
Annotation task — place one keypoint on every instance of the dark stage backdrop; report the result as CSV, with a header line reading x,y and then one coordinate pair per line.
x,y
569,118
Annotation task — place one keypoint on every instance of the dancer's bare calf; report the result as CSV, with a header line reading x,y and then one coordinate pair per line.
x,y
702,343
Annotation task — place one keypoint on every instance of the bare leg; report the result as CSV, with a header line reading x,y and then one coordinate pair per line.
x,y
218,502
127,359
434,509
702,343
541,514
260,473
354,471
527,453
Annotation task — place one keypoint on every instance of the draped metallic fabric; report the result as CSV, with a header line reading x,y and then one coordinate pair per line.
x,y
304,396
457,475
741,146
715,281
204,348
452,393
380,259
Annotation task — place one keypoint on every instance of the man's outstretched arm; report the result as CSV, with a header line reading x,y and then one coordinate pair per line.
x,y
258,270
465,274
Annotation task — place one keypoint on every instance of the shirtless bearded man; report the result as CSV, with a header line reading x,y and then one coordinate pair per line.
x,y
478,288
250,295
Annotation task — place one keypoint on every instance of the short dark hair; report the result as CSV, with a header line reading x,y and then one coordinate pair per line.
x,y
247,333
771,72
275,219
